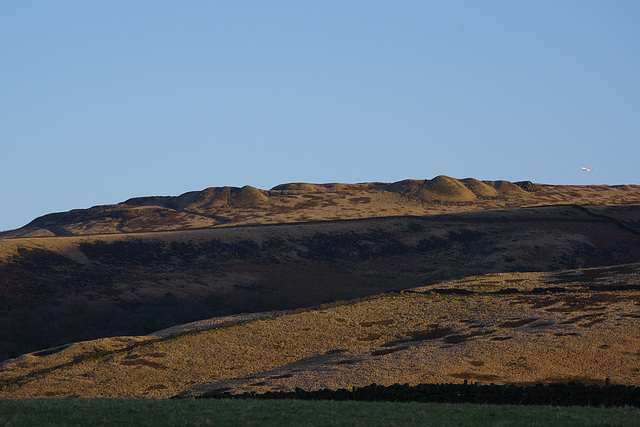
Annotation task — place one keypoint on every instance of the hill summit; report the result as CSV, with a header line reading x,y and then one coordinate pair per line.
x,y
302,202
413,281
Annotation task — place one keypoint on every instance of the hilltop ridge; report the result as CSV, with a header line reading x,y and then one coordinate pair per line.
x,y
454,259
302,202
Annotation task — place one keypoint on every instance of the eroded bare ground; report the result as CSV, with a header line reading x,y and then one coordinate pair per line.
x,y
500,328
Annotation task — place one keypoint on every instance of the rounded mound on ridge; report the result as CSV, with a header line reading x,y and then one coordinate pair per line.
x,y
445,189
214,197
439,189
507,188
247,196
479,188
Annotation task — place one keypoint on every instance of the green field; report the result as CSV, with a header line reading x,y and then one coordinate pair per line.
x,y
120,412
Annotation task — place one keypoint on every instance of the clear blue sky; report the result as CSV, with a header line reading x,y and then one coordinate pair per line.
x,y
105,100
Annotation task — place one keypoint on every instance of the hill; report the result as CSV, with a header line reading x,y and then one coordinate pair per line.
x,y
301,202
488,256
65,289
516,328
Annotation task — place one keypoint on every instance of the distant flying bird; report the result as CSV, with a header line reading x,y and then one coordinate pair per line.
x,y
587,169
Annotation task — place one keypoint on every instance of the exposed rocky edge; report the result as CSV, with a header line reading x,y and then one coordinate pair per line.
x,y
304,202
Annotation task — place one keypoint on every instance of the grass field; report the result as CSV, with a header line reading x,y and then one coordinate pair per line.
x,y
121,412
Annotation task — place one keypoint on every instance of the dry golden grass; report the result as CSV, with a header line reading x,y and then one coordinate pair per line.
x,y
73,288
500,328
300,202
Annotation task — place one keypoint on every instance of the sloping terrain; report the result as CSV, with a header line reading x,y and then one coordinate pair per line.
x,y
504,328
302,202
447,280
65,289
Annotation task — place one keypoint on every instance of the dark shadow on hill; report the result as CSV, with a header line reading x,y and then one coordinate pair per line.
x,y
138,285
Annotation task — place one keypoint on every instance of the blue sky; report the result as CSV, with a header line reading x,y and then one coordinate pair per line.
x,y
105,100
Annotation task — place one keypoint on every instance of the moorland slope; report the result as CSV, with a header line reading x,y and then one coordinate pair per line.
x,y
65,289
302,202
152,263
509,328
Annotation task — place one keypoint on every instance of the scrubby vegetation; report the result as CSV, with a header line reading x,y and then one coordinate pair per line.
x,y
333,248
572,393
135,285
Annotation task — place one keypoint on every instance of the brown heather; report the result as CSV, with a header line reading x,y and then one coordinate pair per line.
x,y
324,286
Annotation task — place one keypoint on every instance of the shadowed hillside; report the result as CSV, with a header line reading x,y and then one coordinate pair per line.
x,y
417,281
508,328
64,289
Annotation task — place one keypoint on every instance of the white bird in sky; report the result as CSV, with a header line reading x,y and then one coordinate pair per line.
x,y
587,169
